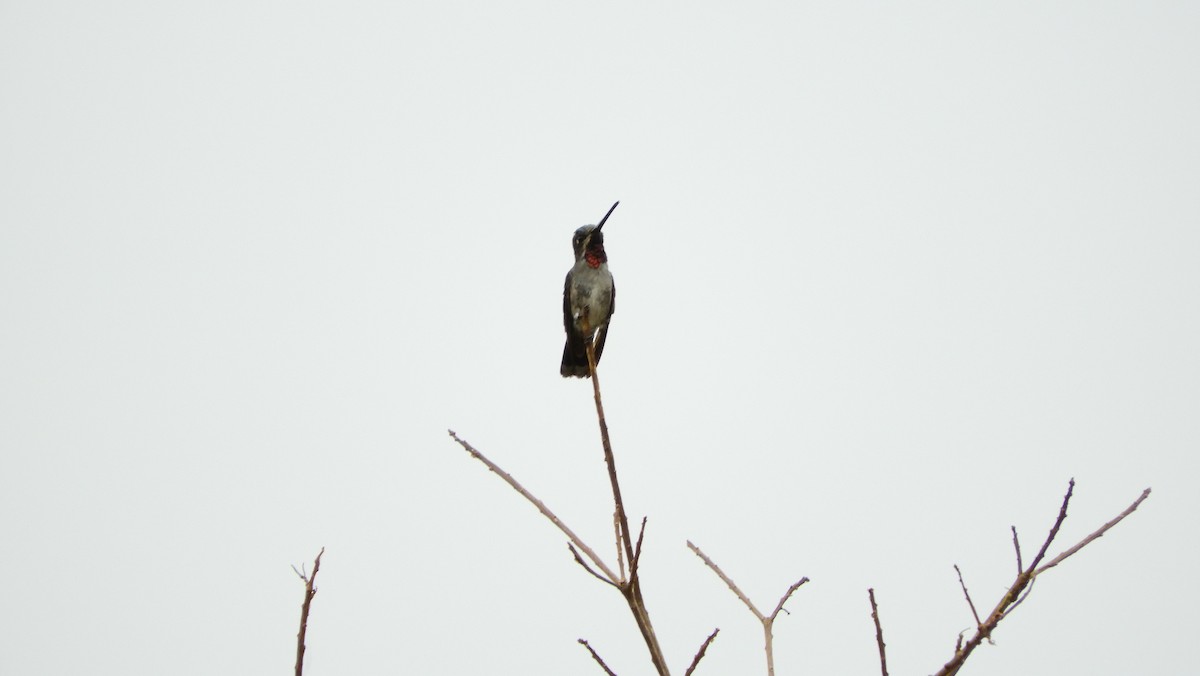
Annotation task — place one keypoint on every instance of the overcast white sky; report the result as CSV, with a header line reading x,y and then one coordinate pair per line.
x,y
890,274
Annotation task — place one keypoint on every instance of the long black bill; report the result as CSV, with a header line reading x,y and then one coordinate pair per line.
x,y
602,220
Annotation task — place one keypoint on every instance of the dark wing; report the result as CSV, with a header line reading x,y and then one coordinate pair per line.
x,y
574,359
567,305
602,334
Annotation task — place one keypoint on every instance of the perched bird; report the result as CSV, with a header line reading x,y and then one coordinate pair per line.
x,y
588,299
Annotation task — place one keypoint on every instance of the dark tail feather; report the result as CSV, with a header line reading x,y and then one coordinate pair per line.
x,y
574,359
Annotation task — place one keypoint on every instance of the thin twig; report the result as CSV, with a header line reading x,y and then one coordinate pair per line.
x,y
1017,546
725,578
596,657
617,541
967,594
637,551
1099,533
1062,516
700,653
580,561
536,503
310,590
786,595
878,632
609,460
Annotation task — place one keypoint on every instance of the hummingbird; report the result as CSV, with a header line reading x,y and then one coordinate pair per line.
x,y
589,298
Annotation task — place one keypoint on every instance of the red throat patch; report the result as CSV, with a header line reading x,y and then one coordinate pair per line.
x,y
595,258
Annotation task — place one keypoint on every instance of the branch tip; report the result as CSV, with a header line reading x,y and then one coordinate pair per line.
x,y
700,653
596,656
878,632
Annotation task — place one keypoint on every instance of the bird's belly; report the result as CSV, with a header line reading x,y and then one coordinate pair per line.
x,y
591,301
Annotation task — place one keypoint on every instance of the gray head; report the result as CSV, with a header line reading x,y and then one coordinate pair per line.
x,y
589,238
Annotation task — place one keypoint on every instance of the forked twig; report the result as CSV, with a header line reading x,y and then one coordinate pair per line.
x,y
627,552
1024,595
1023,585
541,506
1094,535
768,621
580,561
310,590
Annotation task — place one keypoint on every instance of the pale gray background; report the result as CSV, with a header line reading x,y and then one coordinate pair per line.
x,y
889,276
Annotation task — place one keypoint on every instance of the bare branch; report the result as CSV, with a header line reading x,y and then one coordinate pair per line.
x,y
1098,533
700,653
967,594
536,503
596,657
733,586
786,595
878,632
310,590
1024,595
